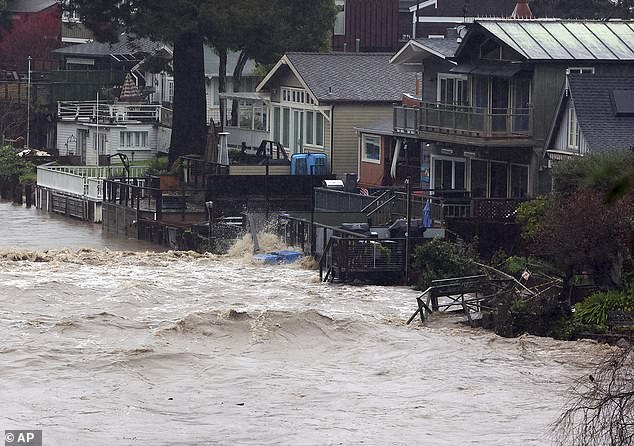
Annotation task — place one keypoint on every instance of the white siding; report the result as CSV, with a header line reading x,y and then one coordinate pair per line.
x,y
561,141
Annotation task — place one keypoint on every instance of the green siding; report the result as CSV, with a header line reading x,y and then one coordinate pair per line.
x,y
345,153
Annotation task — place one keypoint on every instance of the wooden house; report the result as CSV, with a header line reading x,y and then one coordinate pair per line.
x,y
31,28
430,18
366,25
595,114
316,100
485,113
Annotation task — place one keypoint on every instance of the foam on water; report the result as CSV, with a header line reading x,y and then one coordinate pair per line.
x,y
122,347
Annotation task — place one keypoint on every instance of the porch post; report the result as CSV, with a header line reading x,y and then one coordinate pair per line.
x,y
408,191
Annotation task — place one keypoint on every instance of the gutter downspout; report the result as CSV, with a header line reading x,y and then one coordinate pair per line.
x,y
332,137
397,151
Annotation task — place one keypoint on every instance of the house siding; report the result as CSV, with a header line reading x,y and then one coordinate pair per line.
x,y
374,22
345,151
548,81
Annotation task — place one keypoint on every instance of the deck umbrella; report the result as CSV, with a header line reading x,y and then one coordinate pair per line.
x,y
129,92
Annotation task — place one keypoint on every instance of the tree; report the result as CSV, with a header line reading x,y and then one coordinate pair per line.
x,y
582,9
263,30
33,36
602,410
585,225
175,21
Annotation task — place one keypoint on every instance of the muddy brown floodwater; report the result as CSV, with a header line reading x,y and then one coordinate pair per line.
x,y
100,345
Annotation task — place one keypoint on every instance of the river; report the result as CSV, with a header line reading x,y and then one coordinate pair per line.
x,y
105,341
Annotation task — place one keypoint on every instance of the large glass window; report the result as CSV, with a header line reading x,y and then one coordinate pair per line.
x,y
519,181
479,178
521,105
499,180
499,104
448,174
340,19
276,124
573,129
310,127
286,126
133,139
453,90
371,149
319,130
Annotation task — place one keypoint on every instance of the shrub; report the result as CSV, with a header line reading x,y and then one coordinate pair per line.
x,y
593,310
440,259
160,166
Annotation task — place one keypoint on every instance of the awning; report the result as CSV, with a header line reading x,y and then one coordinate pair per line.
x,y
559,155
248,96
503,70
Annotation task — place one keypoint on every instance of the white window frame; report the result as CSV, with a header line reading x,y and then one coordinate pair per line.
x,y
456,100
574,133
453,160
580,70
133,139
339,27
372,139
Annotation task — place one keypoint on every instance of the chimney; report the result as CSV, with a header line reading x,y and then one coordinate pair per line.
x,y
522,11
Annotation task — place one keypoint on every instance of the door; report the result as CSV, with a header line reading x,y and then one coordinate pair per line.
x,y
499,105
298,131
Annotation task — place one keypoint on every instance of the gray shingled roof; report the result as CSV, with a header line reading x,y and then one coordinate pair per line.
x,y
352,77
565,39
29,5
445,47
127,44
603,130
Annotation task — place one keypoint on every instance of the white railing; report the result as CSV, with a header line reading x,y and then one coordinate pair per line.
x,y
252,138
83,181
90,111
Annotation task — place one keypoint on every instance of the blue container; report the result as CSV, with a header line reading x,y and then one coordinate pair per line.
x,y
269,259
287,256
302,163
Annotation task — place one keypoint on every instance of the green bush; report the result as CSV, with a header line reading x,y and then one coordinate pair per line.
x,y
160,166
530,214
441,259
593,310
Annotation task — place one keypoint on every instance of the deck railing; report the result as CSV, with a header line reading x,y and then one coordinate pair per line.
x,y
464,120
82,181
91,111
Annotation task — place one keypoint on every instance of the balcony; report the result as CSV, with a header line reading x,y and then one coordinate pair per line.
x,y
469,122
121,112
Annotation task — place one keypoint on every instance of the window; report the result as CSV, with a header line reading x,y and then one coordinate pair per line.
x,y
521,105
99,142
448,173
286,126
573,129
490,50
319,130
276,124
340,19
479,178
580,70
371,149
170,91
295,95
519,181
314,128
133,139
499,180
453,90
